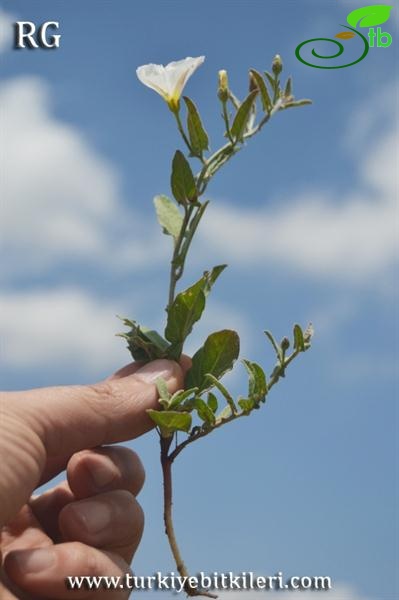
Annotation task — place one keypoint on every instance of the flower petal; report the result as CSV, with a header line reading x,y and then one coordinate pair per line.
x,y
178,73
169,81
154,77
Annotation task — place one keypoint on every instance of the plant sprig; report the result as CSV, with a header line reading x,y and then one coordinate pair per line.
x,y
205,404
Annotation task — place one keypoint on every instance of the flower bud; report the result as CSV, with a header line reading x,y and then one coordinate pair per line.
x,y
277,65
223,90
285,344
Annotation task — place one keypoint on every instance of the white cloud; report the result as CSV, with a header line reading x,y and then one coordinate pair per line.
x,y
6,31
61,200
71,328
372,119
54,327
61,203
353,238
338,592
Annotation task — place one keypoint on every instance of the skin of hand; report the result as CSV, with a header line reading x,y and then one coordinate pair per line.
x,y
91,524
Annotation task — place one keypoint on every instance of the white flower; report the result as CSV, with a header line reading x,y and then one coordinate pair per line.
x,y
169,80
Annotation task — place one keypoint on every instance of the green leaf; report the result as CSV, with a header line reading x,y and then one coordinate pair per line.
x,y
188,307
299,342
155,338
247,404
198,136
257,386
211,276
179,397
275,345
223,390
241,119
212,402
264,94
143,343
170,421
182,180
295,103
186,310
272,81
216,357
164,395
369,16
204,412
169,216
288,88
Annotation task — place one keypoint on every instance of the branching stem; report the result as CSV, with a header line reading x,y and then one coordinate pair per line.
x,y
193,213
204,432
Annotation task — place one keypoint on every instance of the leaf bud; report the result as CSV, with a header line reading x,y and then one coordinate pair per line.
x,y
223,90
277,65
285,344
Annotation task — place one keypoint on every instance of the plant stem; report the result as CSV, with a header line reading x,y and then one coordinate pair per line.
x,y
227,121
181,129
189,226
167,462
176,268
207,172
192,217
168,493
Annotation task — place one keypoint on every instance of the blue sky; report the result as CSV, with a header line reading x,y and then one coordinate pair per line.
x,y
306,218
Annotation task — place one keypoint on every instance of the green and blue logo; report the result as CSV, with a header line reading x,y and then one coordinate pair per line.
x,y
367,17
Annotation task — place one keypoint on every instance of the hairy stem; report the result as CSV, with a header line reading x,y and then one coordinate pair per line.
x,y
168,500
167,462
192,217
176,268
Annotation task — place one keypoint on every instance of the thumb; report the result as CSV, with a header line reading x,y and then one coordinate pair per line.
x,y
72,418
49,424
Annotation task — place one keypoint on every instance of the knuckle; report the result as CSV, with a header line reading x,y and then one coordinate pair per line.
x,y
135,472
131,519
83,558
129,465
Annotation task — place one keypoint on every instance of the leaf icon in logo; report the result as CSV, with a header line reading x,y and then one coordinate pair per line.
x,y
369,16
345,35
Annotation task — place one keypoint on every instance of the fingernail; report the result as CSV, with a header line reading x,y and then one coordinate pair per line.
x,y
94,516
34,561
102,472
158,368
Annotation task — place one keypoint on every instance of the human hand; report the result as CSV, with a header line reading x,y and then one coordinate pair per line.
x,y
46,430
